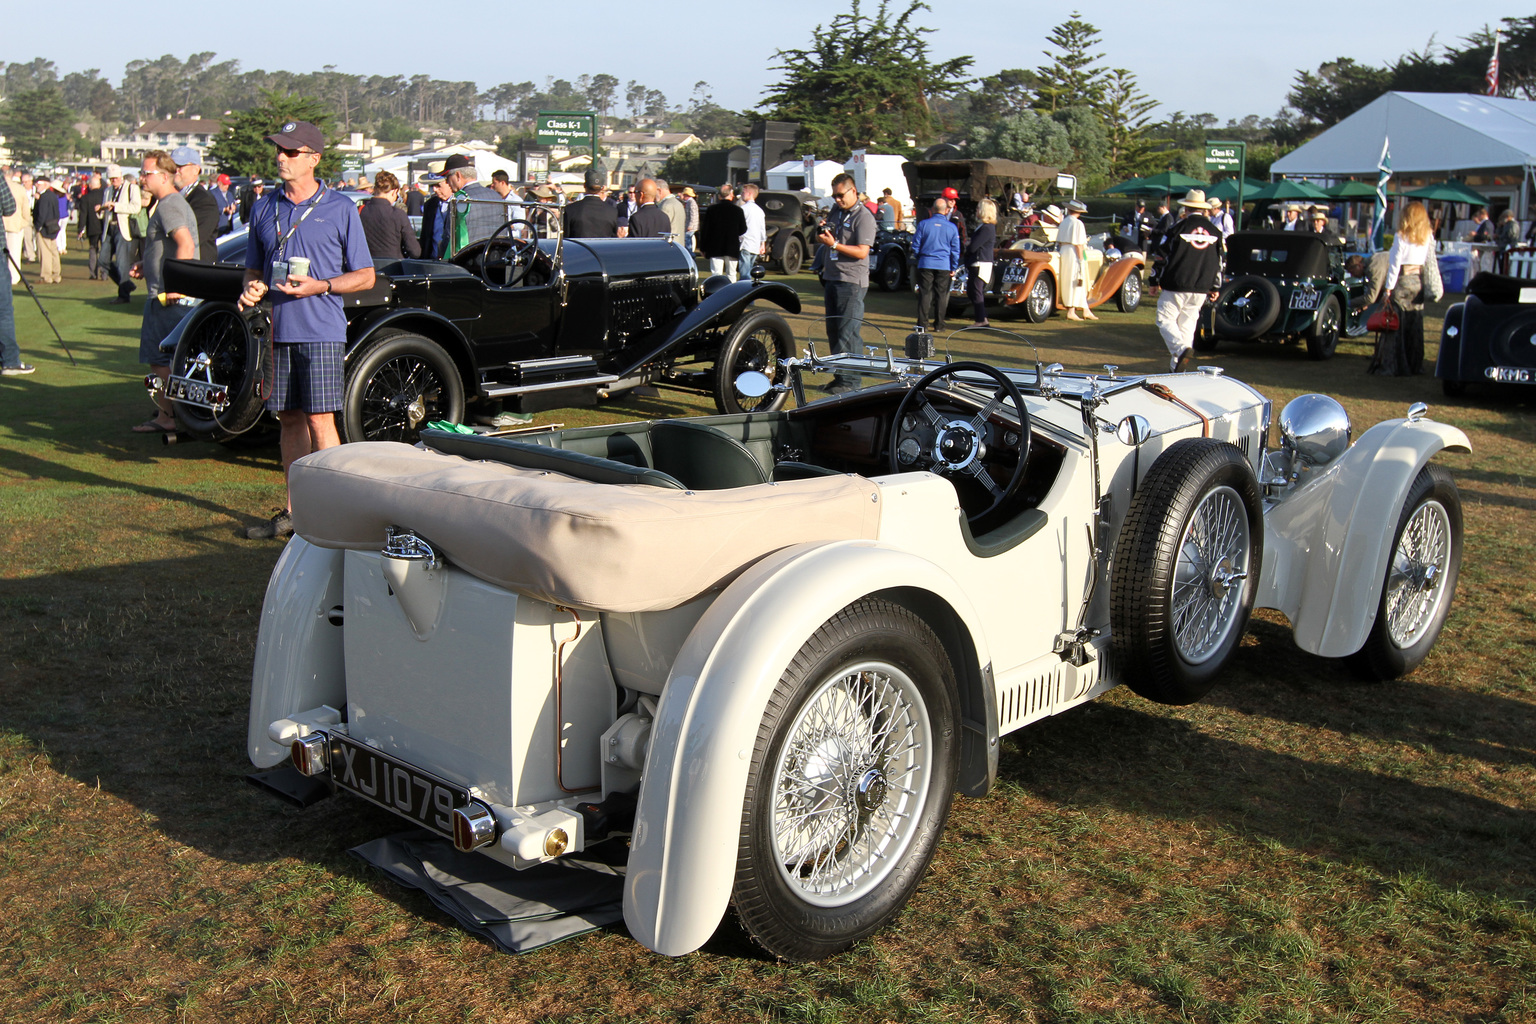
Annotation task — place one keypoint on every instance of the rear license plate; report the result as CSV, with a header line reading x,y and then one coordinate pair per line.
x,y
193,392
395,785
1013,274
1511,374
1303,300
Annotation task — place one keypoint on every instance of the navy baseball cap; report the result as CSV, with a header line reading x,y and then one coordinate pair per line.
x,y
298,135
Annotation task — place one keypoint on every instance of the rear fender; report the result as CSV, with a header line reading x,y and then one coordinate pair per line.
x,y
1326,545
725,305
688,822
299,664
1448,363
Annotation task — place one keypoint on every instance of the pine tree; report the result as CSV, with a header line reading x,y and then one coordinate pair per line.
x,y
864,82
38,126
1125,109
242,148
1073,77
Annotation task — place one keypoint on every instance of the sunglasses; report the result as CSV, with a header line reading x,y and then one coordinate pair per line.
x,y
291,153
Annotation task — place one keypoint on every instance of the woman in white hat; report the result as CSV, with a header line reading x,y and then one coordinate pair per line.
x,y
1073,238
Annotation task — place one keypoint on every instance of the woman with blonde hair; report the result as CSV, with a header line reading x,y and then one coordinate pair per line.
x,y
1400,353
978,257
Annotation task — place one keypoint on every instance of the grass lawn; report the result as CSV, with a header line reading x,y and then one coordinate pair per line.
x,y
1301,846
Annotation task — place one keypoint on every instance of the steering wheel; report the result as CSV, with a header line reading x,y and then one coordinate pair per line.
x,y
507,254
923,438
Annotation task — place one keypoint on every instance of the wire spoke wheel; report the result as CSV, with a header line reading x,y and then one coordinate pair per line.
x,y
399,397
1416,578
1213,559
850,783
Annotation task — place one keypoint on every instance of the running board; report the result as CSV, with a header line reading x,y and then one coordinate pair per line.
x,y
508,390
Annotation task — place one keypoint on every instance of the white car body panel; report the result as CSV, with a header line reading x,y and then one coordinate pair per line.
x,y
463,678
1326,546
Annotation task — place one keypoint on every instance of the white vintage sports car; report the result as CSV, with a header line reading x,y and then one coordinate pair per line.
x,y
767,649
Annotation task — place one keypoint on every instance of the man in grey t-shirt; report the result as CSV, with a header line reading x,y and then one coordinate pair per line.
x,y
172,232
846,236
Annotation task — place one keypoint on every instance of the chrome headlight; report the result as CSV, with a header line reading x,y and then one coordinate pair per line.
x,y
1314,429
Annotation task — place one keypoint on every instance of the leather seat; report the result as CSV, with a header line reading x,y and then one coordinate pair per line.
x,y
703,457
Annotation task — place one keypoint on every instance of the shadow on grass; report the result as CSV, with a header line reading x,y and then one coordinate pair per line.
x,y
1115,755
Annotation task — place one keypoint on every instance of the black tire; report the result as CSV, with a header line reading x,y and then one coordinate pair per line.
x,y
397,384
1040,303
757,342
1247,308
892,272
794,255
1323,336
1415,600
1128,298
239,360
1194,528
869,703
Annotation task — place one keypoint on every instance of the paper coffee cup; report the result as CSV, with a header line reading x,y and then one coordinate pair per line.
x,y
299,265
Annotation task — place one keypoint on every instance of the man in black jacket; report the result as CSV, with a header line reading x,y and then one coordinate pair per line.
x,y
590,216
647,221
1191,274
189,167
46,220
720,229
92,226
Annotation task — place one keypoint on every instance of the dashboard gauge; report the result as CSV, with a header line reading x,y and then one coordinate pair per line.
x,y
908,424
1011,439
908,450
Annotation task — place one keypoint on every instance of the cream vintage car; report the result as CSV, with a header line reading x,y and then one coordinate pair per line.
x,y
765,650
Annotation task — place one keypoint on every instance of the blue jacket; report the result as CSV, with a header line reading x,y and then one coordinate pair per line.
x,y
936,245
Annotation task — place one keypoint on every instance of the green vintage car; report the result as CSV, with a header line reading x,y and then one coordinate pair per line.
x,y
1281,286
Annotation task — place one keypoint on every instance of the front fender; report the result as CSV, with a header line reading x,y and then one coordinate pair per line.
x,y
425,322
1112,277
725,304
1448,362
683,856
1326,546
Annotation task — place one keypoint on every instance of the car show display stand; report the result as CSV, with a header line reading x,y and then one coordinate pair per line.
x,y
516,911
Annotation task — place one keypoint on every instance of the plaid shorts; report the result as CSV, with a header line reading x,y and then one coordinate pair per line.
x,y
306,375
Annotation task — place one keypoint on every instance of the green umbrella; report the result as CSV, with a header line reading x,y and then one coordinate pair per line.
x,y
1170,182
1285,188
1226,189
1352,190
1127,187
1449,192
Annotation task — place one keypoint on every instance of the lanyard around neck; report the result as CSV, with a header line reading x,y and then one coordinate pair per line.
x,y
282,239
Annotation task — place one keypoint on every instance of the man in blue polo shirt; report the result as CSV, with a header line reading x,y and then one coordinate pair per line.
x,y
304,219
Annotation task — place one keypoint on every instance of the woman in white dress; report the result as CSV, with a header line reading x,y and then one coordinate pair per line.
x,y
1073,241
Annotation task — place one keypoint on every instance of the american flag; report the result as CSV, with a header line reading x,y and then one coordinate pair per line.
x,y
1491,79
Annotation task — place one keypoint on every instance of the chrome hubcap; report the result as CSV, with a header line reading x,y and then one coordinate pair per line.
x,y
850,783
1212,562
1416,580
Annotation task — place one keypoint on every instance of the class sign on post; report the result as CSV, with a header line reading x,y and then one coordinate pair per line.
x,y
1224,156
564,128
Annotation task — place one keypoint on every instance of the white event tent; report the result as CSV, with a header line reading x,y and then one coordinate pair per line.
x,y
1487,142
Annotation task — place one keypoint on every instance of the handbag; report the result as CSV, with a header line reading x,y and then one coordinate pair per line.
x,y
1383,320
1433,286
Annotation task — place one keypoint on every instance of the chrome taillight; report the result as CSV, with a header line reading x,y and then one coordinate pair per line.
x,y
311,754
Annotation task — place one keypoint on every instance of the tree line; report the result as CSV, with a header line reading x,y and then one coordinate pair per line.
x,y
866,80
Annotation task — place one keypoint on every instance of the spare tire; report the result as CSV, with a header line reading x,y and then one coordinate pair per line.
x,y
1247,308
239,359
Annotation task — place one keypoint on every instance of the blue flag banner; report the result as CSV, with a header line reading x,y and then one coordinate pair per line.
x,y
1379,219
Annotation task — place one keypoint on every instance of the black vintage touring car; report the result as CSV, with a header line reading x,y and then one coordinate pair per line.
x,y
507,323
1491,337
1281,286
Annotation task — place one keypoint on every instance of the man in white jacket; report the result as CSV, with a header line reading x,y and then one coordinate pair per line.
x,y
123,205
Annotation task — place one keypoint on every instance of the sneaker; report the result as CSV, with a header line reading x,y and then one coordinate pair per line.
x,y
280,525
20,370
1184,361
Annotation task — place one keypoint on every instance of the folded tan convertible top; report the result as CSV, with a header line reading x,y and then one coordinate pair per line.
x,y
609,547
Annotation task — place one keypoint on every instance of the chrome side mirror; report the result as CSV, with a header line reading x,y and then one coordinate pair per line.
x,y
1314,429
1133,430
753,384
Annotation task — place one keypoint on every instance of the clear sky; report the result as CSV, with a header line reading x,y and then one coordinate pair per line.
x,y
1216,56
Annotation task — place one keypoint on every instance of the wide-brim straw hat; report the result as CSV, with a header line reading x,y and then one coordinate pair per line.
x,y
1195,199
1052,212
